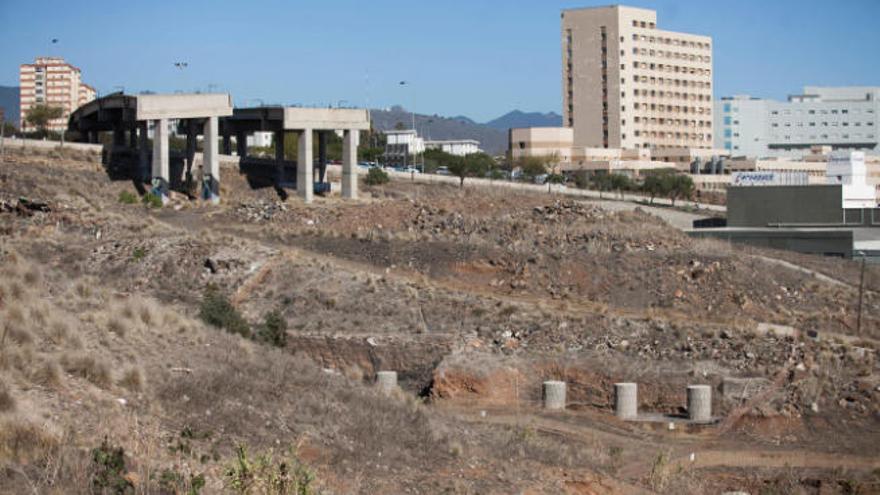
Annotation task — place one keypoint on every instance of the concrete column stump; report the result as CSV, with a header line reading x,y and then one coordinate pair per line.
x,y
349,164
305,182
699,402
386,381
554,395
626,400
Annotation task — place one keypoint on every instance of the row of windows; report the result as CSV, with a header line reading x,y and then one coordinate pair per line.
x,y
670,68
668,54
662,121
672,82
669,94
670,108
824,124
671,135
800,137
671,41
644,24
833,111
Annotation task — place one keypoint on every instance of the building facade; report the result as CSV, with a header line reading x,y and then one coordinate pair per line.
x,y
628,84
52,82
844,118
458,147
402,145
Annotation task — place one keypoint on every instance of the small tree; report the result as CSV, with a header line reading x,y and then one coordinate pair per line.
x,y
620,183
39,116
376,176
656,184
274,329
602,182
680,186
554,178
471,165
582,179
533,166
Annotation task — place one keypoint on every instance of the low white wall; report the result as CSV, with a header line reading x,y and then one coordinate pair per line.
x,y
46,144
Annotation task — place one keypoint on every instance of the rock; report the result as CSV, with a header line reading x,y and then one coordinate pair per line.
x,y
211,265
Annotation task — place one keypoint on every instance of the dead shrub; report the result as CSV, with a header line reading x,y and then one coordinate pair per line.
x,y
116,326
23,441
7,401
58,332
89,368
47,373
132,379
16,334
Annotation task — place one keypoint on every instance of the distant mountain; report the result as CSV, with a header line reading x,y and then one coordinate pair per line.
x,y
518,118
492,141
9,102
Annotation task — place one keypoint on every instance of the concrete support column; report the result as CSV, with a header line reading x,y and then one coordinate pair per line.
x,y
241,144
190,150
349,164
626,402
322,155
132,138
93,137
699,402
227,144
160,159
386,381
554,395
143,151
278,138
305,184
211,162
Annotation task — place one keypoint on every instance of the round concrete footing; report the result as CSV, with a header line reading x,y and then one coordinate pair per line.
x,y
699,402
554,395
626,402
386,381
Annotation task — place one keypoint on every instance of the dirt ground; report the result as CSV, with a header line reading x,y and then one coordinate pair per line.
x,y
474,296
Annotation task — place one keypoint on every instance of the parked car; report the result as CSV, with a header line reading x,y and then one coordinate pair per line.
x,y
443,171
411,170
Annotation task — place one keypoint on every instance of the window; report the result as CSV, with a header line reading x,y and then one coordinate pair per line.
x,y
727,133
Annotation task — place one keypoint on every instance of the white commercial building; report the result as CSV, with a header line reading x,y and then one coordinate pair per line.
x,y
845,118
402,145
458,147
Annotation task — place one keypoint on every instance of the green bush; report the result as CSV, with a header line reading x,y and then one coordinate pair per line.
x,y
285,475
151,200
138,254
376,176
108,470
127,197
216,310
274,329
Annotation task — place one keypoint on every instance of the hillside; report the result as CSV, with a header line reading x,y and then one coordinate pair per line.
x,y
9,102
492,140
519,118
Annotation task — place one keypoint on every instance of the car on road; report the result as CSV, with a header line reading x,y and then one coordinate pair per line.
x,y
443,171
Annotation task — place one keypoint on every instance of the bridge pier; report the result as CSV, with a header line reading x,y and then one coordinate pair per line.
x,y
278,138
305,183
349,162
211,162
160,159
143,156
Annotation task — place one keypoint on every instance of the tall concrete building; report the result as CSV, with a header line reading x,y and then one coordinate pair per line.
x,y
628,84
53,82
843,117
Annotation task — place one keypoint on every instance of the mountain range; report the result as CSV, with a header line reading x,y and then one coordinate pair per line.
x,y
492,135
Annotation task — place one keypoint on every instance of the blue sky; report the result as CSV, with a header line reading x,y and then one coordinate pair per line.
x,y
477,58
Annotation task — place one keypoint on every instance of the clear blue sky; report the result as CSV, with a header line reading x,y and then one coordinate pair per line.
x,y
477,58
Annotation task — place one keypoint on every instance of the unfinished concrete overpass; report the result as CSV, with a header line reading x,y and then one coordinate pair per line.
x,y
135,116
132,118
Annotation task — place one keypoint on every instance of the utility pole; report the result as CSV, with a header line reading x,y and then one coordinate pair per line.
x,y
861,295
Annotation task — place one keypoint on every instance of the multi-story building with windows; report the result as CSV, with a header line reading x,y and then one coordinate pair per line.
x,y
52,82
842,118
628,84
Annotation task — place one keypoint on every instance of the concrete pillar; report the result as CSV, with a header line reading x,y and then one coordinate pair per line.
x,y
211,162
349,164
279,157
322,155
699,402
554,395
160,159
93,137
305,184
241,144
143,151
132,138
626,402
227,144
386,381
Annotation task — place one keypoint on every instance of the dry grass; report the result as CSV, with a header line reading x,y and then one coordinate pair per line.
x,y
88,367
132,379
7,401
24,441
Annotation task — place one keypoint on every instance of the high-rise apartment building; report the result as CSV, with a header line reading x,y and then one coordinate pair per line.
x,y
627,84
843,118
52,82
